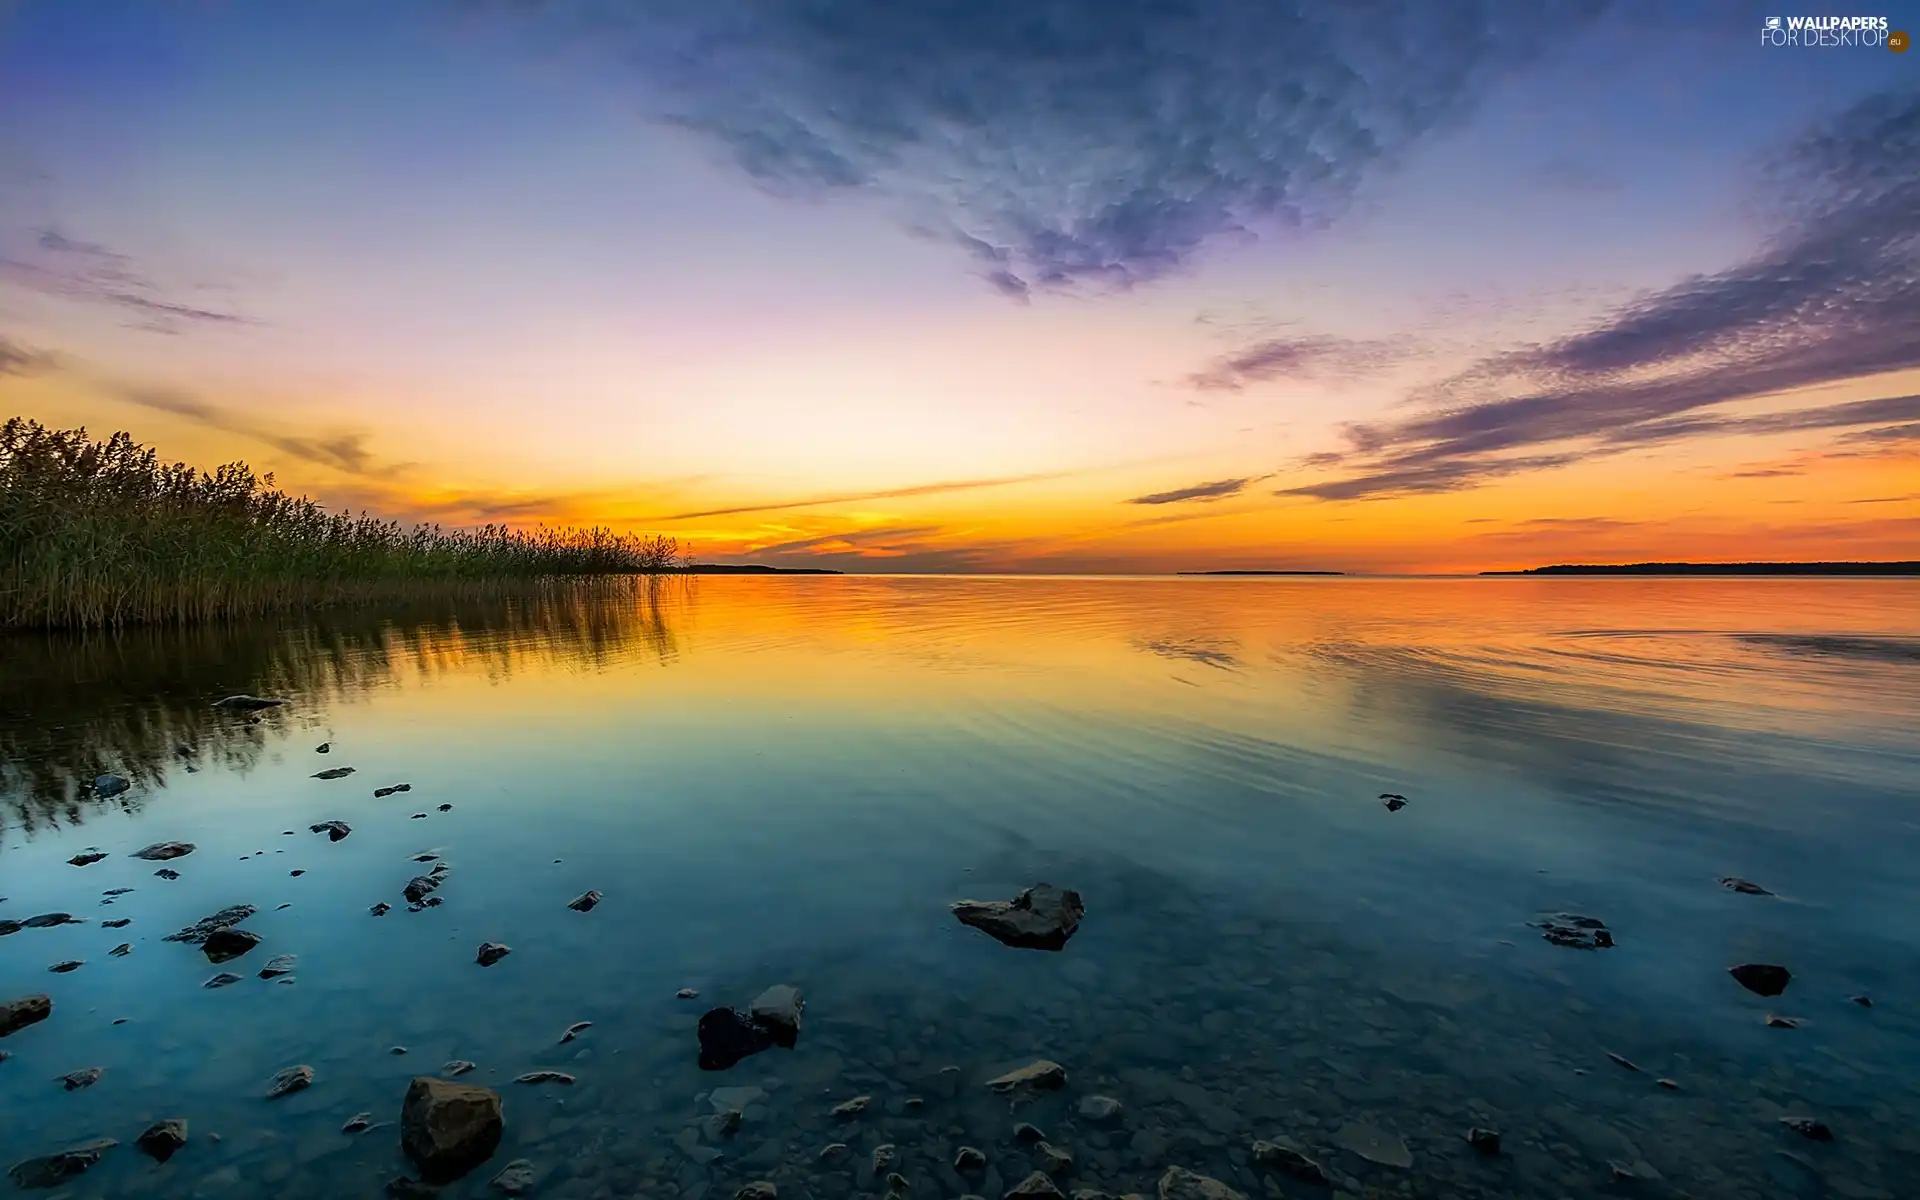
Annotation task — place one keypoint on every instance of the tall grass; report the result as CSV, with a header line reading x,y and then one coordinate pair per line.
x,y
102,533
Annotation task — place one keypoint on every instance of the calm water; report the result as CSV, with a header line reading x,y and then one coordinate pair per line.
x,y
788,780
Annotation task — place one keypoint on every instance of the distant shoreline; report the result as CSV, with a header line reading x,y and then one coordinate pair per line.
x,y
746,569
1748,568
1259,572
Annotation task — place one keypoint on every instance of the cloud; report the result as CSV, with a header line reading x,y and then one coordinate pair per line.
x,y
1834,296
54,264
1073,144
1299,358
344,452
1766,473
1199,491
922,489
16,359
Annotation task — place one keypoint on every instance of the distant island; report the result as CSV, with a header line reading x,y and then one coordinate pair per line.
x,y
1260,572
748,569
1746,568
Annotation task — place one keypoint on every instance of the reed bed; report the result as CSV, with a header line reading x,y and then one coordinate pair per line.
x,y
99,534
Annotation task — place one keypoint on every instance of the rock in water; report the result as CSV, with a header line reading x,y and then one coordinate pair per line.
x,y
109,785
16,1015
1038,1187
420,886
458,1066
381,909
335,830
759,1189
224,945
1042,1074
545,1077
333,773
1575,931
778,1011
1181,1184
727,1036
514,1179
71,964
1486,1141
575,1030
1041,917
279,964
197,933
167,873
1284,1157
1374,1144
223,979
448,1129
1745,887
288,1081
162,1138
75,1080
491,953
53,1170
87,859
246,703
1762,979
1393,801
122,950
1807,1127
584,902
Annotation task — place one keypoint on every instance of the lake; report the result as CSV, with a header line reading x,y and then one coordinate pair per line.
x,y
790,779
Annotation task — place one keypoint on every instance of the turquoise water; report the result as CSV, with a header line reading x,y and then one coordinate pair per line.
x,y
789,779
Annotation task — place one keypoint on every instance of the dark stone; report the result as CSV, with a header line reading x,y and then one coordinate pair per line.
x,y
420,886
221,980
446,808
358,1123
323,748
167,873
1862,1001
335,830
1745,887
122,923
1575,931
1809,1128
846,1110
86,860
1042,1074
1041,917
1624,1061
289,1080
969,1160
1035,1187
75,1080
197,933
1486,1141
109,784
52,1170
1290,1161
381,793
1028,1135
50,920
122,950
225,944
71,964
16,1015
584,902
575,1030
402,1188
727,1036
448,1129
163,1138
279,964
491,953
381,909
116,891
1762,979
1394,803
333,773
779,1009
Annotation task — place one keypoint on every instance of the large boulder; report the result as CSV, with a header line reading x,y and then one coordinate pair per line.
x,y
1041,917
449,1128
16,1015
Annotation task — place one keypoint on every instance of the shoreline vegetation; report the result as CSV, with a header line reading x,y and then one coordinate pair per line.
x,y
97,534
1746,568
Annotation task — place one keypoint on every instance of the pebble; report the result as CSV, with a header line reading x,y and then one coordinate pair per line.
x,y
848,1109
289,1080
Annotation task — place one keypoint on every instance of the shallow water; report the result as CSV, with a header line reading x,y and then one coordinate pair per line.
x,y
788,780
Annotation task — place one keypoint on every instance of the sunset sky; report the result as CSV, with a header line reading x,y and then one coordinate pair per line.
x,y
990,285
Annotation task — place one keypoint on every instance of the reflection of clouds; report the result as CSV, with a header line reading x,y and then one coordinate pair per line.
x,y
73,707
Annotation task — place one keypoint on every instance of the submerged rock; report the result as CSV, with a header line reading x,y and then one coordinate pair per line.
x,y
86,1078
1807,1127
163,1138
71,964
116,891
514,1179
1486,1141
1374,1144
289,1080
51,920
87,859
544,1077
279,964
381,793
52,1170
685,994
420,886
323,748
1775,1021
1100,1109
1035,1187
122,923
16,1015
167,873
335,830
197,933
1745,887
226,944
759,1189
575,1030
333,773
358,1123
779,1009
448,1129
381,909
1282,1156
1042,1074
969,1160
110,784
223,979
122,950
1575,931
846,1110
1181,1184
1041,917
1762,979
246,703
584,902
458,1066
1393,802
491,953
727,1036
